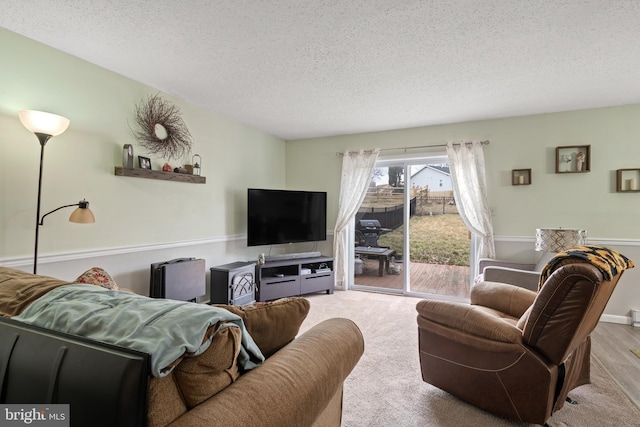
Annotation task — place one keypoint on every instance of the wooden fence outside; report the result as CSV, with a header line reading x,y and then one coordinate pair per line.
x,y
384,203
390,217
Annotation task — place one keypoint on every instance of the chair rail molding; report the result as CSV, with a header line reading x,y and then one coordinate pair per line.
x,y
71,256
595,240
76,255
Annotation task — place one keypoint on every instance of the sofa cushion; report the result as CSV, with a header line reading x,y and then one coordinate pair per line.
x,y
198,378
164,401
18,289
272,325
97,276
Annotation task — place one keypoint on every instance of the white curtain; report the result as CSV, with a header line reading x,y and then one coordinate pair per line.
x,y
466,161
357,171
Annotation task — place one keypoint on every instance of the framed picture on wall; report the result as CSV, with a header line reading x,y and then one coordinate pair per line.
x,y
144,162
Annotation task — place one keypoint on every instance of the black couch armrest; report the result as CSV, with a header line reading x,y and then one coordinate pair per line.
x,y
104,385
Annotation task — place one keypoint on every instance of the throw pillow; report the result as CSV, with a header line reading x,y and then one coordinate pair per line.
x,y
99,277
200,377
272,325
164,402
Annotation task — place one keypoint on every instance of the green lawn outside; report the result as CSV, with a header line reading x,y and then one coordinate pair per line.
x,y
437,239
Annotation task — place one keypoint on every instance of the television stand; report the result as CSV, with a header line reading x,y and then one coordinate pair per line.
x,y
293,276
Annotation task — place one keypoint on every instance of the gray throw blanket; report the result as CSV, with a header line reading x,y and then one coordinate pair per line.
x,y
165,329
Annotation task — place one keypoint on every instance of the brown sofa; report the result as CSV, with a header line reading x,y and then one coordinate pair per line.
x,y
514,352
299,384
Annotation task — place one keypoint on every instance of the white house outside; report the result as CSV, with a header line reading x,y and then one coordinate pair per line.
x,y
436,177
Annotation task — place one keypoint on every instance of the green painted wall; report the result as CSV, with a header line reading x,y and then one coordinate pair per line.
x,y
586,200
80,163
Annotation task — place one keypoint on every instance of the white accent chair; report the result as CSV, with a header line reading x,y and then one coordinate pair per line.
x,y
549,241
524,275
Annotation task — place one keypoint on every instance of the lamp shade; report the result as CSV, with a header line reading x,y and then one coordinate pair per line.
x,y
45,123
559,239
82,214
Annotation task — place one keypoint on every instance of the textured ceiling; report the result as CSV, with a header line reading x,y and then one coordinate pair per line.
x,y
299,69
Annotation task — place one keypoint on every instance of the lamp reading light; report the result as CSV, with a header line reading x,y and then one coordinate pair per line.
x,y
81,215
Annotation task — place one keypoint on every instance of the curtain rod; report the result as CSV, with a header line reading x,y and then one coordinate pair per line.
x,y
420,146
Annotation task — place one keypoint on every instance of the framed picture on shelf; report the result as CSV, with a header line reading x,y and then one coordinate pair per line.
x,y
573,159
144,162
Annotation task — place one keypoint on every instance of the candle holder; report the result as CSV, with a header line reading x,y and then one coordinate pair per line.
x,y
628,180
196,160
521,177
127,156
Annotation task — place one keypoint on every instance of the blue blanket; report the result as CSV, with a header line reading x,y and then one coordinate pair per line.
x,y
165,329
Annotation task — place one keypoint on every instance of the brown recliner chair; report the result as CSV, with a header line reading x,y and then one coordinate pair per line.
x,y
514,352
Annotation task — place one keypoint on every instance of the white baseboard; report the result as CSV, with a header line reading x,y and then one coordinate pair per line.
x,y
611,318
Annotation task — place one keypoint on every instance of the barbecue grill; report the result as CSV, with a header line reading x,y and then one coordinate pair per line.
x,y
368,231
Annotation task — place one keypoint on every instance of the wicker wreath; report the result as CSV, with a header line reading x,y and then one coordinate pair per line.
x,y
161,129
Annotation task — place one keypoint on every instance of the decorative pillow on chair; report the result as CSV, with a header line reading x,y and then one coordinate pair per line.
x,y
200,377
272,325
99,277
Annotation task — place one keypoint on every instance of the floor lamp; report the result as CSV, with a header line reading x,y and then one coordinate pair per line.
x,y
45,126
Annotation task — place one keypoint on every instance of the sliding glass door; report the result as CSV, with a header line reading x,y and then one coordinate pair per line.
x,y
379,235
409,237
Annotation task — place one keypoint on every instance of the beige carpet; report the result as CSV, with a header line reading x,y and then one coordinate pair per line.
x,y
386,390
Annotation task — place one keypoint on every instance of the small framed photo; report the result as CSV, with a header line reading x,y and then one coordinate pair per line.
x,y
144,162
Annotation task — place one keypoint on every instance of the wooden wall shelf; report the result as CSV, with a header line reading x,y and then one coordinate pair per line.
x,y
567,159
627,180
521,177
165,176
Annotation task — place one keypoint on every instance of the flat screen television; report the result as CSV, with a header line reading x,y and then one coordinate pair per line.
x,y
285,216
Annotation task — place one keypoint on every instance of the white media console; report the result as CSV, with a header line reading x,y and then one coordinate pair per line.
x,y
296,274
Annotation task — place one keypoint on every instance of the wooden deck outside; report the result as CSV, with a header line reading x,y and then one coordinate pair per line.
x,y
437,279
